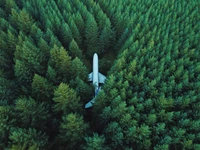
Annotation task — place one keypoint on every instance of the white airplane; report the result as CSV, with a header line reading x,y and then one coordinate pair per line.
x,y
96,78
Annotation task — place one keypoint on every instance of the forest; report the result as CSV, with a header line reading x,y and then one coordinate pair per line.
x,y
149,51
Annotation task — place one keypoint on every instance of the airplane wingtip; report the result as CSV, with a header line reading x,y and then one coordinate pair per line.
x,y
88,105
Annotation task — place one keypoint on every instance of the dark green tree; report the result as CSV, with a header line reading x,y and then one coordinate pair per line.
x,y
22,20
74,50
27,139
6,122
78,69
91,35
95,142
72,131
30,113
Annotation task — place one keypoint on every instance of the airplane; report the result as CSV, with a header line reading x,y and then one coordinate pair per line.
x,y
96,77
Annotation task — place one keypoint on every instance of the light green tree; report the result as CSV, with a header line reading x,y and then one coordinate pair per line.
x,y
42,90
72,131
66,100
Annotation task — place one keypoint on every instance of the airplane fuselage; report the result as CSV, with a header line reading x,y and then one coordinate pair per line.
x,y
95,75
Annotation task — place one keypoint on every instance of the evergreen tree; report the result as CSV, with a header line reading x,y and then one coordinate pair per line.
x,y
60,62
105,36
24,75
91,35
72,130
95,142
8,90
66,100
42,90
27,139
74,50
23,19
79,22
82,88
6,122
114,135
66,35
30,113
75,32
78,69
9,5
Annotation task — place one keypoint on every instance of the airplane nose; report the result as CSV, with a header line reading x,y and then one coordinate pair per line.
x,y
95,55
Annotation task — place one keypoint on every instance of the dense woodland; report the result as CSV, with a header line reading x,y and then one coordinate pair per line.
x,y
148,49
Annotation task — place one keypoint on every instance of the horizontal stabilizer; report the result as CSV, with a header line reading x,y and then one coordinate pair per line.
x,y
90,103
102,78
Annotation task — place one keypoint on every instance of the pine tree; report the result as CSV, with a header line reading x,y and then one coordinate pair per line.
x,y
60,62
79,22
42,90
23,19
91,35
65,35
78,69
95,142
72,129
105,36
6,122
82,88
30,113
9,5
27,138
114,135
8,90
75,32
24,75
66,100
74,50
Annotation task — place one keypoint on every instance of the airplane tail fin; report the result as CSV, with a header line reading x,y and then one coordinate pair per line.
x,y
90,103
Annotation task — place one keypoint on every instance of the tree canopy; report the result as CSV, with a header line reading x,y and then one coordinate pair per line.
x,y
149,51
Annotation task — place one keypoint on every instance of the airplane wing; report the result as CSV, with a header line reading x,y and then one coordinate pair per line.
x,y
90,103
90,76
101,78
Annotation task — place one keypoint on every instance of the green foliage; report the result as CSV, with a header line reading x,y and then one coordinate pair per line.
x,y
27,139
66,34
95,142
72,130
7,90
82,88
66,99
91,35
9,5
74,50
30,113
149,51
24,147
59,64
6,122
23,19
42,90
23,73
114,135
78,69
